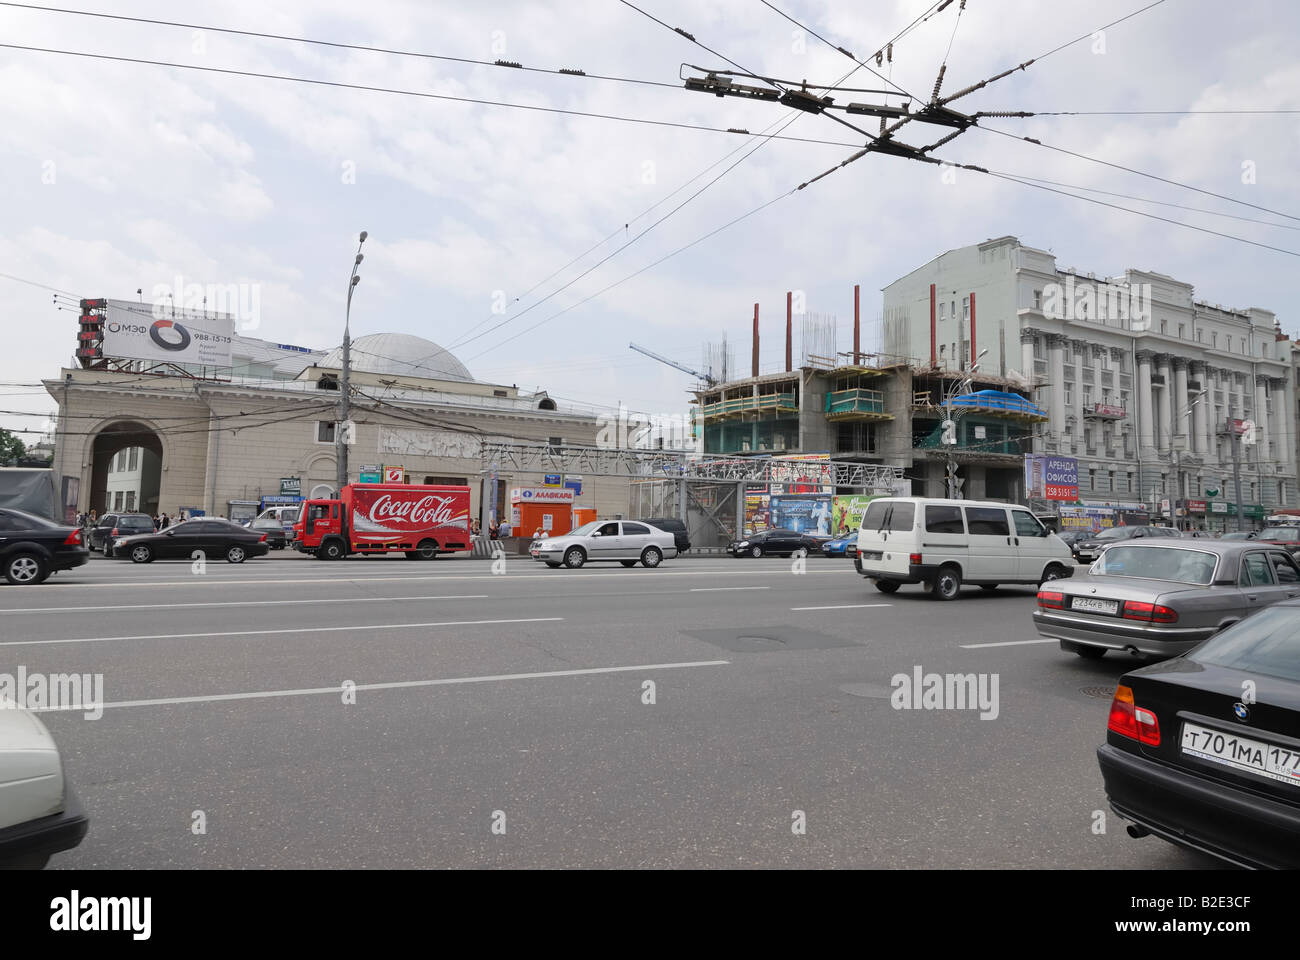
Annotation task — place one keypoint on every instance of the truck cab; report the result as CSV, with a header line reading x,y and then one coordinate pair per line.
x,y
319,530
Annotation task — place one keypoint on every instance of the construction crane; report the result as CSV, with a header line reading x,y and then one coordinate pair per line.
x,y
708,378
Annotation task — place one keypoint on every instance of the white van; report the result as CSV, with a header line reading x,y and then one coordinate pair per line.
x,y
286,514
945,543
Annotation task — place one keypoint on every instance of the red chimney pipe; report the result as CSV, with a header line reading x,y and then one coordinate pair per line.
x,y
973,352
934,356
789,331
857,323
755,373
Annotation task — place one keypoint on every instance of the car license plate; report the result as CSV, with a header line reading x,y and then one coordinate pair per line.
x,y
1242,753
1092,605
872,554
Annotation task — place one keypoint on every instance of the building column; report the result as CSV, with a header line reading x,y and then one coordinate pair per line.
x,y
1056,348
1181,401
1286,402
1079,348
1027,338
1165,419
1146,446
1262,445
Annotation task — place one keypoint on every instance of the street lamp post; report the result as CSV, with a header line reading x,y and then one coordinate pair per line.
x,y
949,427
341,437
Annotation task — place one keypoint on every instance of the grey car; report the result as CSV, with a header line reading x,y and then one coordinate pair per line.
x,y
1090,548
627,541
1159,598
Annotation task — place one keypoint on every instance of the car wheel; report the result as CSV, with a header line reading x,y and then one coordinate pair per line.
x,y
988,587
575,558
887,586
427,550
1054,571
141,553
1090,653
331,551
652,556
235,554
947,585
628,563
755,551
25,568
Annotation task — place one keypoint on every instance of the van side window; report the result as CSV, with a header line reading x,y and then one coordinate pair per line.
x,y
987,522
940,519
1027,524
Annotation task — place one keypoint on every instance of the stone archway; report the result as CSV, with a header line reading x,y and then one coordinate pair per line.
x,y
111,439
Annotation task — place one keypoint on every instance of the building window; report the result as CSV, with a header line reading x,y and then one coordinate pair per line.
x,y
1092,479
554,444
965,309
1038,300
943,350
499,393
1069,396
1281,493
1229,346
117,500
1214,339
1110,481
943,310
130,500
135,458
1128,482
1181,328
324,431
1164,326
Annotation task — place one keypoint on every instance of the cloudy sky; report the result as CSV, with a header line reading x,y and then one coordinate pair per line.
x,y
123,176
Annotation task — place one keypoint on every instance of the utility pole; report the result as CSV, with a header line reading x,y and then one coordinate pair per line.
x,y
341,429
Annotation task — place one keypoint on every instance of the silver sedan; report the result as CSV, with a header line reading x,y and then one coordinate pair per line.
x,y
627,541
1158,599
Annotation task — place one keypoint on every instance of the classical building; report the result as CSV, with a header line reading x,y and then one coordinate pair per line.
x,y
1141,382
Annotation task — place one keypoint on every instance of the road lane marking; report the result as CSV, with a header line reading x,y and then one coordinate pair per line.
x,y
408,684
720,589
1004,643
849,606
233,603
258,633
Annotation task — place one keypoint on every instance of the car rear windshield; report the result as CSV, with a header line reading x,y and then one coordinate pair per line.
x,y
1267,643
135,523
1280,533
893,515
1115,533
1157,563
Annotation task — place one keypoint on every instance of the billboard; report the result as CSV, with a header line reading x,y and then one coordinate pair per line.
x,y
540,495
1051,478
133,332
806,514
804,472
757,506
848,512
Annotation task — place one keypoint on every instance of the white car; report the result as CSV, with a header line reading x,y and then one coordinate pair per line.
x,y
39,813
628,541
945,543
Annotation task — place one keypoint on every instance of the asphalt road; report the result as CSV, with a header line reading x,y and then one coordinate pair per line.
x,y
516,702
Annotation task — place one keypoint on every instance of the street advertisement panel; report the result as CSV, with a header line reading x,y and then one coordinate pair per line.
x,y
382,513
1051,478
804,473
133,332
1087,519
811,514
540,495
848,512
757,517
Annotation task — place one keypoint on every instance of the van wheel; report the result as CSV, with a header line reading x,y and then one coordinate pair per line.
x,y
947,585
886,586
1054,571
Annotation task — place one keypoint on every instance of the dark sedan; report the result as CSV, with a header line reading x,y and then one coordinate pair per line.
x,y
1158,599
211,537
31,547
274,530
1088,549
781,543
1204,750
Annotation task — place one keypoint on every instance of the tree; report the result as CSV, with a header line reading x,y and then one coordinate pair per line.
x,y
11,448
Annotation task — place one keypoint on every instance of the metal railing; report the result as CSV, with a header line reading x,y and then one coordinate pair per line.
x,y
857,400
766,402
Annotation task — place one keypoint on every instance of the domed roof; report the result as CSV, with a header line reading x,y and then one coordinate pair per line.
x,y
400,355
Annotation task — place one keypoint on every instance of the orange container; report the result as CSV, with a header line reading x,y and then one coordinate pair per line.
x,y
532,517
583,515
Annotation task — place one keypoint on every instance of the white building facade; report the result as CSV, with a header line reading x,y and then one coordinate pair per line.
x,y
1140,379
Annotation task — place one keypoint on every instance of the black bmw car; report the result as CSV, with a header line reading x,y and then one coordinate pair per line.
x,y
213,536
31,547
782,543
1204,749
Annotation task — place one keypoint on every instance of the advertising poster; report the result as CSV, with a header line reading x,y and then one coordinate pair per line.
x,y
848,512
811,514
1052,478
804,473
756,513
132,332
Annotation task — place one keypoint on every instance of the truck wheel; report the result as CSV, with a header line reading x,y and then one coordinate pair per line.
x,y
25,568
331,550
427,550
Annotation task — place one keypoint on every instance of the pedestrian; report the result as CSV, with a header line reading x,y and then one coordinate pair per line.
x,y
164,521
494,530
506,529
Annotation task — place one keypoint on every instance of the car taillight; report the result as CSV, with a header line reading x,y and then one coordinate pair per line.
x,y
1129,720
914,559
1052,599
1149,612
74,538
262,539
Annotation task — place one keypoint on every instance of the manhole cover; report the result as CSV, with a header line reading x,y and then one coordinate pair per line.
x,y
1100,693
874,691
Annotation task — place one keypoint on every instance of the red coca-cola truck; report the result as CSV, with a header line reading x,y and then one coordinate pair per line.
x,y
419,520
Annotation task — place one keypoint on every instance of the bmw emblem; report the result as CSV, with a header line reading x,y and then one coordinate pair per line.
x,y
1241,711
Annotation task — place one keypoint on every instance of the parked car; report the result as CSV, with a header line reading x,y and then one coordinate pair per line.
x,y
1087,550
779,542
945,543
1239,535
31,547
285,514
681,536
1071,537
627,541
845,546
1158,599
114,525
40,814
1287,537
213,536
274,530
1193,759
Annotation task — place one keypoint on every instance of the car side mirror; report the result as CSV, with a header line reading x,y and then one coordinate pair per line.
x,y
596,533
